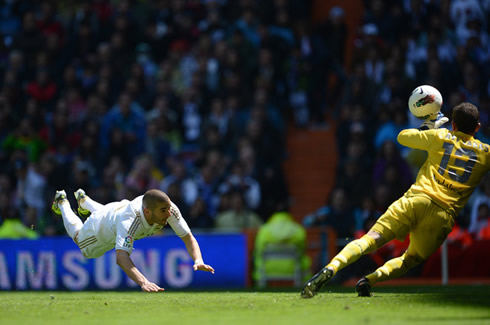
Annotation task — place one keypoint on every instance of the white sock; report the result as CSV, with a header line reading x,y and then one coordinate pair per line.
x,y
72,222
90,204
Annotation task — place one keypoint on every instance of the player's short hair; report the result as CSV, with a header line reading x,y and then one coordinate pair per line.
x,y
154,197
466,117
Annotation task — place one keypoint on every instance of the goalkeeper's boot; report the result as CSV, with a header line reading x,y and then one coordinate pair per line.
x,y
313,286
59,198
363,288
79,195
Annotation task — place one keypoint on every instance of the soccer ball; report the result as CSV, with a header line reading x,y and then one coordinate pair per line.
x,y
425,102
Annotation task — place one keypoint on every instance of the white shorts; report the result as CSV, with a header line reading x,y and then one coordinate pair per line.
x,y
88,243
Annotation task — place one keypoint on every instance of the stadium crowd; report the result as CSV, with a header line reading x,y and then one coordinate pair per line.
x,y
194,97
400,45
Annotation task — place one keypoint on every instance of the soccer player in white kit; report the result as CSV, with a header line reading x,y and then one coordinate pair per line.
x,y
118,224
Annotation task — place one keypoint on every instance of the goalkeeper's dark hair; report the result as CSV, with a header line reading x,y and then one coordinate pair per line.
x,y
154,197
466,117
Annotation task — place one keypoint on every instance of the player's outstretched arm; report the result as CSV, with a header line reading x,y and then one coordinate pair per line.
x,y
195,252
125,263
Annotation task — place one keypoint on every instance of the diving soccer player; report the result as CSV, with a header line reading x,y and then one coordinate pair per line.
x,y
118,224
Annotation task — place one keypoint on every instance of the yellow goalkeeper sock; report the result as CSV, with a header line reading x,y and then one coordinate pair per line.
x,y
351,252
393,268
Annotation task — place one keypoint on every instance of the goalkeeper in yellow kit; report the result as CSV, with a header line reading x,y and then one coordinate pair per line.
x,y
455,165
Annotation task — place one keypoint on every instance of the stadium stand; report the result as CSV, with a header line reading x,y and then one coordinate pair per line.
x,y
302,96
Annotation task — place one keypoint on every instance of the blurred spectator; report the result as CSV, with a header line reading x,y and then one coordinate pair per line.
x,y
12,227
29,38
460,237
218,163
389,160
334,31
83,174
366,215
7,209
352,138
237,180
272,182
299,88
144,175
178,174
383,196
238,217
352,124
483,220
47,21
480,200
42,89
30,186
162,109
191,118
111,185
16,65
211,140
198,216
389,128
219,117
174,192
308,71
60,133
352,178
207,187
337,213
128,118
378,15
11,20
462,13
470,88
247,24
24,138
156,145
265,149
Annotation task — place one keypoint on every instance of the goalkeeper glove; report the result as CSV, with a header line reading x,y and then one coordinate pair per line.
x,y
434,124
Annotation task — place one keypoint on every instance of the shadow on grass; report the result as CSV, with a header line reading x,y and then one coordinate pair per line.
x,y
460,320
460,295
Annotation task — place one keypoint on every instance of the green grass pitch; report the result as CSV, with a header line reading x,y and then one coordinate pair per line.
x,y
335,305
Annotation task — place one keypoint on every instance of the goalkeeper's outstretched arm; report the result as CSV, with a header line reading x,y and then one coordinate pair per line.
x,y
435,123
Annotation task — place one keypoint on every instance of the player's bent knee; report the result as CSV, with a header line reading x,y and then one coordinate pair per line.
x,y
413,260
378,238
75,237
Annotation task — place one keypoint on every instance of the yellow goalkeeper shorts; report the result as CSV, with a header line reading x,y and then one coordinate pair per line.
x,y
427,223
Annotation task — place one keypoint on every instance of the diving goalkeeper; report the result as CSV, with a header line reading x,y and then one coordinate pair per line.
x,y
455,165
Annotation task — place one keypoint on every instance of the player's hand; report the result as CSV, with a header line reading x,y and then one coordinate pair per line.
x,y
151,287
435,123
203,267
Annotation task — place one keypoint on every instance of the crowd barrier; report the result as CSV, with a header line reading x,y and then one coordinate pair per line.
x,y
457,263
57,264
463,262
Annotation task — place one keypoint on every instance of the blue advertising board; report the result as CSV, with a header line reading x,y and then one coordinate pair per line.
x,y
57,264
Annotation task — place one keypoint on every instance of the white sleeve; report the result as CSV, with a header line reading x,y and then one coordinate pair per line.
x,y
177,222
125,233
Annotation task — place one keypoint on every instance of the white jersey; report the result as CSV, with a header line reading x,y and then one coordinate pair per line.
x,y
118,224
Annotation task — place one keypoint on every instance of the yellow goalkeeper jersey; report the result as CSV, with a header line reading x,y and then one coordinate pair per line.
x,y
455,165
